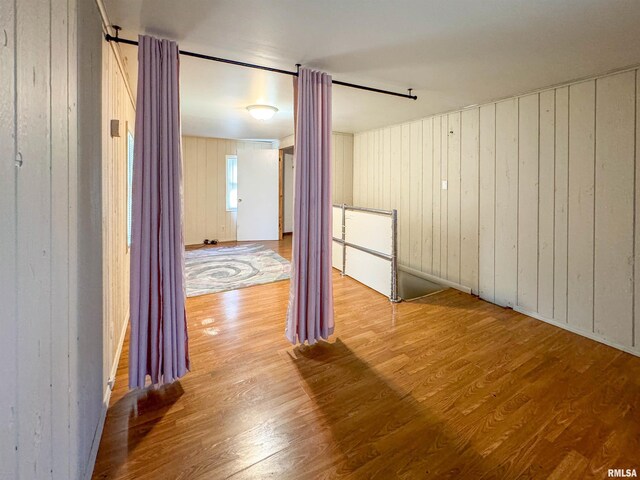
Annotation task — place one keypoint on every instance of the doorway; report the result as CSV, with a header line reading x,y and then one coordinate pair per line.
x,y
287,179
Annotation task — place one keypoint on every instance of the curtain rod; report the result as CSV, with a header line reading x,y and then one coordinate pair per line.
x,y
117,39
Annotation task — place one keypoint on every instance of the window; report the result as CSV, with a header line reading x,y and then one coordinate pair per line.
x,y
232,183
129,184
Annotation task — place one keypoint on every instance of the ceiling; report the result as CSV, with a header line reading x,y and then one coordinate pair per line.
x,y
452,53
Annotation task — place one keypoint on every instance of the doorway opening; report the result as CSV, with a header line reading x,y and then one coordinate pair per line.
x,y
286,192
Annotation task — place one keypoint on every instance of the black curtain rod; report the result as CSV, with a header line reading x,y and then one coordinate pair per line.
x,y
111,38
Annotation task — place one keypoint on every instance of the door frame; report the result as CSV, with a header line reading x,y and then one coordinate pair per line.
x,y
281,152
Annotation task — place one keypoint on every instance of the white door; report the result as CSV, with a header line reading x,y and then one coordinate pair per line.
x,y
258,190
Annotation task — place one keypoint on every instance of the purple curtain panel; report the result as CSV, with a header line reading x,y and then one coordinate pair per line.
x,y
158,343
310,313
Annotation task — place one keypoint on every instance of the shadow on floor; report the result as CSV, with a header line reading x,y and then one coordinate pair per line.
x,y
378,429
136,413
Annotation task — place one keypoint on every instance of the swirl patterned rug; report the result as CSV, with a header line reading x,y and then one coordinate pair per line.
x,y
219,269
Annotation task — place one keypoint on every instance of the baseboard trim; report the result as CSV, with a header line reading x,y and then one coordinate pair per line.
x,y
116,358
435,279
577,331
98,435
95,445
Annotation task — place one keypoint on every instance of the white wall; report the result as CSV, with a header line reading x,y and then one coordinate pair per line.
x,y
51,262
540,210
205,209
87,388
118,104
341,165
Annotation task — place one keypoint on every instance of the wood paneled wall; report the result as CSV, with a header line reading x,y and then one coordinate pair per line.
x,y
540,210
342,167
205,209
341,164
204,159
51,263
117,105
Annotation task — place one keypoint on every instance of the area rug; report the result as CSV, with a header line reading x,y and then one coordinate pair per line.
x,y
219,269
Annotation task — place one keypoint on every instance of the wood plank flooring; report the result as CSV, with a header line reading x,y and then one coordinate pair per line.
x,y
445,387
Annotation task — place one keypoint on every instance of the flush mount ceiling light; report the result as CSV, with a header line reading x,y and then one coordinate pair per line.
x,y
262,112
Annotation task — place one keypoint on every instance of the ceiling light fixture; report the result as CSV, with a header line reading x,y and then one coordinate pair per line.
x,y
262,112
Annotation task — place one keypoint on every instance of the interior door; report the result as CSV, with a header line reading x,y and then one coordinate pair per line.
x,y
258,195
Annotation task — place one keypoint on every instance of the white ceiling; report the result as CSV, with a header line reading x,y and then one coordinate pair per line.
x,y
453,53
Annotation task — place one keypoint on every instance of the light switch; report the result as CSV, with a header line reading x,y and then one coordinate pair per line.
x,y
444,184
115,128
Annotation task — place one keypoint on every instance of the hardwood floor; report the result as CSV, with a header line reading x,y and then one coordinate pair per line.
x,y
447,386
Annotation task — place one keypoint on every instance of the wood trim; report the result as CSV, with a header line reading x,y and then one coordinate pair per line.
x,y
434,278
590,335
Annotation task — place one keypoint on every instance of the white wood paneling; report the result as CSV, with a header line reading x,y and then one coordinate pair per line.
x,y
347,170
546,203
212,184
363,177
90,369
437,210
404,218
334,172
117,105
9,415
453,198
415,195
427,195
539,210
386,169
357,151
372,160
614,212
581,204
50,62
74,389
33,197
506,228
342,162
486,240
395,135
444,197
528,142
561,199
469,198
60,155
376,170
337,163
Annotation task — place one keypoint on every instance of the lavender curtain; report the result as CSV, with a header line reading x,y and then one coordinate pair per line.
x,y
310,314
158,342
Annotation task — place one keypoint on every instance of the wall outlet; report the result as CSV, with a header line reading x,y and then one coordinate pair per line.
x,y
444,184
